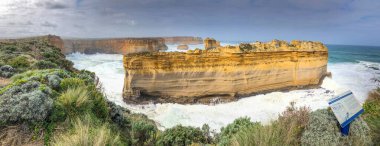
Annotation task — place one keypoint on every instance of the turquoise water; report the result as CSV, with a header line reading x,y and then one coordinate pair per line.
x,y
354,54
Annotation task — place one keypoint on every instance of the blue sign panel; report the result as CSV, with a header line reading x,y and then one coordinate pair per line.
x,y
346,108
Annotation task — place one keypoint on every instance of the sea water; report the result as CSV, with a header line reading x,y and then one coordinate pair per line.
x,y
354,68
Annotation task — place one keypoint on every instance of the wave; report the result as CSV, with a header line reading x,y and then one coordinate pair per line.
x,y
358,77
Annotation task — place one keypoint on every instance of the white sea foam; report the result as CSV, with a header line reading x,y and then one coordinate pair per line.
x,y
263,108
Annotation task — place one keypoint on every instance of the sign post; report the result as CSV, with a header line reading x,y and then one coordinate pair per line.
x,y
346,108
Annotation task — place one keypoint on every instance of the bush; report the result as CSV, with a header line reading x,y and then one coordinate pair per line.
x,y
372,115
323,129
54,81
85,134
287,130
9,48
230,130
75,101
143,133
27,102
87,76
99,101
181,135
45,65
6,71
71,83
19,62
245,47
116,113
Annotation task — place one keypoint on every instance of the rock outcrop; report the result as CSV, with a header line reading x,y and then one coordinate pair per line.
x,y
114,46
223,73
182,47
211,43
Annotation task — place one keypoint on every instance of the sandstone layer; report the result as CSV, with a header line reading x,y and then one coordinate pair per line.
x,y
185,40
223,73
114,46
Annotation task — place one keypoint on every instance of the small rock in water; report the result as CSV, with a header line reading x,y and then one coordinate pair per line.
x,y
182,47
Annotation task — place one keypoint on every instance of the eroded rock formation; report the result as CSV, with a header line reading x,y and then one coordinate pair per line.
x,y
182,47
185,40
211,43
224,73
114,46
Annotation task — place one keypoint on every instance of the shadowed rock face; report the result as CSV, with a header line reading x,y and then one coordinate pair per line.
x,y
223,72
114,46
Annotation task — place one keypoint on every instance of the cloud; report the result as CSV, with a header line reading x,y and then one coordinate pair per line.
x,y
23,23
51,4
49,24
331,21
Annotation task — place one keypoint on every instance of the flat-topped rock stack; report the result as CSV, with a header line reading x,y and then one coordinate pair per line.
x,y
223,73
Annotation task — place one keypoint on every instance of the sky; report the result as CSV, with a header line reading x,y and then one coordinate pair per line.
x,y
351,22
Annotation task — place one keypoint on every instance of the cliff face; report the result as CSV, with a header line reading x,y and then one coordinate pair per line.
x,y
185,40
223,72
114,46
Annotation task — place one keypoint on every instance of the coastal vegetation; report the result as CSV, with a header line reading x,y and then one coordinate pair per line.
x,y
48,102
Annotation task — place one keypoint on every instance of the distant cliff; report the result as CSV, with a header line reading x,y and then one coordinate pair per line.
x,y
184,40
224,73
114,46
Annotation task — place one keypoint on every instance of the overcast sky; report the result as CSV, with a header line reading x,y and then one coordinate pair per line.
x,y
329,21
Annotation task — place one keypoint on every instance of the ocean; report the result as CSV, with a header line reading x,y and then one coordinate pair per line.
x,y
354,68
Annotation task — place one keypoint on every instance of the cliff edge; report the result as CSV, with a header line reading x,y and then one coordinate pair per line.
x,y
223,73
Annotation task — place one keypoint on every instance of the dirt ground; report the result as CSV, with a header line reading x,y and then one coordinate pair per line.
x,y
4,81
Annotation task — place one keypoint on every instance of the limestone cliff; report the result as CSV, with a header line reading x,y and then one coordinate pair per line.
x,y
224,72
185,40
114,46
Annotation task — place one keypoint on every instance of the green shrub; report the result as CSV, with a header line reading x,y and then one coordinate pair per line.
x,y
75,101
54,81
9,49
45,65
6,71
25,102
19,62
287,130
372,115
87,76
181,135
100,105
323,129
58,113
71,83
230,130
143,133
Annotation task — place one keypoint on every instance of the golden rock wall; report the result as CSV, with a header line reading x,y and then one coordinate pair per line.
x,y
224,72
114,46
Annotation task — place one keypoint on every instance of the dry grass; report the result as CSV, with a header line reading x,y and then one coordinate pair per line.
x,y
4,81
20,135
287,130
75,101
84,134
